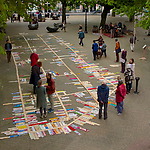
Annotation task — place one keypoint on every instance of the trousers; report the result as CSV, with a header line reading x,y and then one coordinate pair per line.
x,y
8,55
41,111
105,109
51,100
119,107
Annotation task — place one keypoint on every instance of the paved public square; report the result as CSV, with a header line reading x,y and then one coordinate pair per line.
x,y
129,131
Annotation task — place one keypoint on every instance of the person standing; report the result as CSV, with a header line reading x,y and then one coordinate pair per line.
x,y
123,60
35,75
132,42
81,37
103,94
120,95
128,79
34,58
8,48
94,49
131,65
117,50
41,98
103,49
50,89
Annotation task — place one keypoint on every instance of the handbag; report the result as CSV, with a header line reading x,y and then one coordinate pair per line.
x,y
122,60
118,50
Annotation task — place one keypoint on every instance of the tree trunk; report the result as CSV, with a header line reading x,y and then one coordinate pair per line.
x,y
113,13
131,18
106,10
64,11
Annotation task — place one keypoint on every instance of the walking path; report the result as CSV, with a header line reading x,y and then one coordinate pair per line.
x,y
72,55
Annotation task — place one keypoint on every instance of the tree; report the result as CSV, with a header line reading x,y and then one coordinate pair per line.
x,y
8,7
106,10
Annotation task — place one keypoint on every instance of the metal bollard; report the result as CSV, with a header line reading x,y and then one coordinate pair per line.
x,y
137,82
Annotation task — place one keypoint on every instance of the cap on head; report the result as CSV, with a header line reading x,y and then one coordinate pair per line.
x,y
116,39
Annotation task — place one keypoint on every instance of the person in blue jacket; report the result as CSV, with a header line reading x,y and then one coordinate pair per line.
x,y
94,49
103,94
81,37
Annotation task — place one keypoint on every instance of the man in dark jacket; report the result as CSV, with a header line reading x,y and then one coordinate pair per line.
x,y
8,48
94,49
103,94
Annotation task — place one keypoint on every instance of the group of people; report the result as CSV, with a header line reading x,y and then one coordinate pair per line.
x,y
115,29
15,17
38,88
103,95
99,48
122,89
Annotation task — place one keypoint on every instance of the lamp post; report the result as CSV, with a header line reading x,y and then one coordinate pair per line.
x,y
85,21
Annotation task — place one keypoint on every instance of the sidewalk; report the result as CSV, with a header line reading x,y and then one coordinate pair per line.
x,y
117,133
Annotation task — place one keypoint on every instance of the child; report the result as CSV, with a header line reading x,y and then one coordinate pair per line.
x,y
41,98
50,89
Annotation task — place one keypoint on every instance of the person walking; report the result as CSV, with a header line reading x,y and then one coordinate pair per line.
x,y
50,89
80,27
132,42
63,27
117,50
41,98
94,49
81,37
103,94
123,60
34,58
103,49
35,75
120,95
8,48
128,79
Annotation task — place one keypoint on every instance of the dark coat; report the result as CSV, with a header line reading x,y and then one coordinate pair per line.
x,y
8,46
35,75
103,93
124,55
120,93
41,97
50,89
132,39
95,47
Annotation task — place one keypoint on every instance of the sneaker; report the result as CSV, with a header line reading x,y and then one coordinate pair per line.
x,y
45,116
41,117
119,114
50,110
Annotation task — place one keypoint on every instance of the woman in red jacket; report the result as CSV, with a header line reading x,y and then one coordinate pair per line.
x,y
34,58
50,89
120,95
